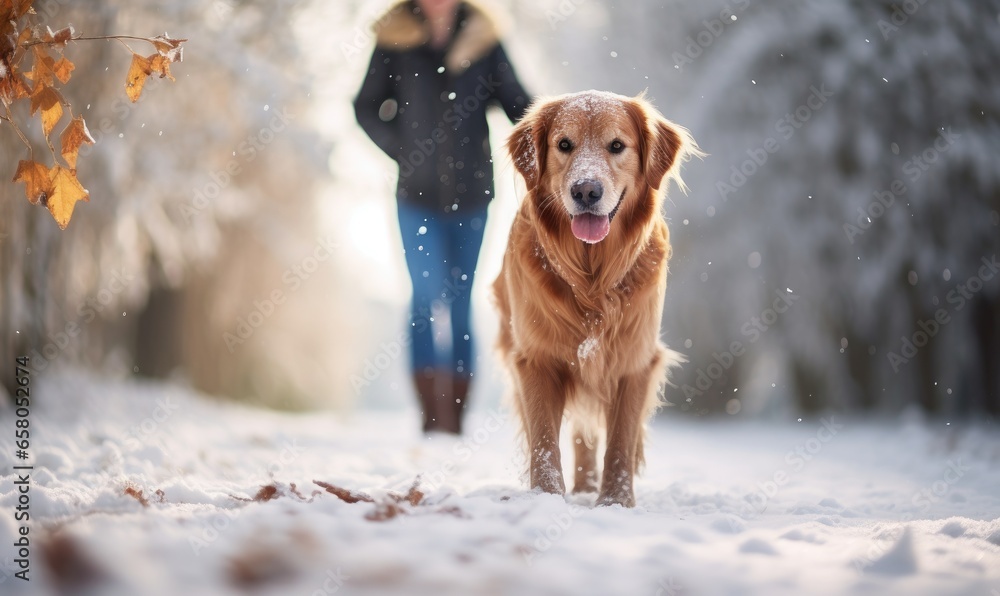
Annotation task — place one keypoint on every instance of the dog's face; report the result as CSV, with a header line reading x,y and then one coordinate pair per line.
x,y
594,154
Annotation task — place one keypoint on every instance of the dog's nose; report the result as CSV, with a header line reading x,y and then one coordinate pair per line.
x,y
587,192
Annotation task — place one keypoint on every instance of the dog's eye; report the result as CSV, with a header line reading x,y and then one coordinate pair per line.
x,y
616,146
565,146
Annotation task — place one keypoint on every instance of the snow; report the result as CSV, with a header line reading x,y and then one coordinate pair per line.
x,y
587,348
724,507
899,560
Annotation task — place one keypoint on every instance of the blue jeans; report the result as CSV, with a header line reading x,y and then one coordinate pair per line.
x,y
441,254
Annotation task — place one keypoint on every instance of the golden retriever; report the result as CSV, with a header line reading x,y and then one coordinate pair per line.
x,y
580,294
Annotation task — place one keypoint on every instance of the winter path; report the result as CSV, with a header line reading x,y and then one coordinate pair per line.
x,y
152,489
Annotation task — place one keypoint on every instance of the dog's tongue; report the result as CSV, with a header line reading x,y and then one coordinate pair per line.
x,y
591,228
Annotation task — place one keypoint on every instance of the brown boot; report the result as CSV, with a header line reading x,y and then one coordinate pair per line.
x,y
434,395
461,386
425,384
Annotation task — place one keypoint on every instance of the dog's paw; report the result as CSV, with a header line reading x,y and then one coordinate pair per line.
x,y
548,479
548,484
617,493
617,489
623,498
546,472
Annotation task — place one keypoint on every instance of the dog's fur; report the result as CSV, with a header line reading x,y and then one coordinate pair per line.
x,y
580,322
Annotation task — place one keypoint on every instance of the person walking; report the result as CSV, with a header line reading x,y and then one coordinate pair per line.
x,y
436,67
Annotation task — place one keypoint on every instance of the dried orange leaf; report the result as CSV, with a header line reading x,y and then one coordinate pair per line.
x,y
51,114
37,183
62,69
15,9
345,495
59,37
136,77
267,493
21,88
136,494
169,48
23,6
22,39
75,135
50,102
66,191
160,64
13,88
42,70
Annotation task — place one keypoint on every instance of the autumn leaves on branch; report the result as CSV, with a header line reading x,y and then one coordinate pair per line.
x,y
57,187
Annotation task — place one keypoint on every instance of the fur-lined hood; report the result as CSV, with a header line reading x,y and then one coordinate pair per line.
x,y
400,29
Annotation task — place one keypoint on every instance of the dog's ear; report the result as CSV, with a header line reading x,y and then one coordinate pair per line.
x,y
528,144
663,143
664,147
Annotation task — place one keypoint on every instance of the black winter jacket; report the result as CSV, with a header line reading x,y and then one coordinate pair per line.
x,y
426,108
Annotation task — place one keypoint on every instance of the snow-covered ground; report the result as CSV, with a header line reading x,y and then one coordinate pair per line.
x,y
151,489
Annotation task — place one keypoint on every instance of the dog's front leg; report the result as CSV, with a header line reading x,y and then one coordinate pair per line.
x,y
625,417
543,390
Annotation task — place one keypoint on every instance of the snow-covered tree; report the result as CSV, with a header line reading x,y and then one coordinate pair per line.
x,y
203,196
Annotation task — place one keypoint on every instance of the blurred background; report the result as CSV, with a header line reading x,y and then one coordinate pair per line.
x,y
836,251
